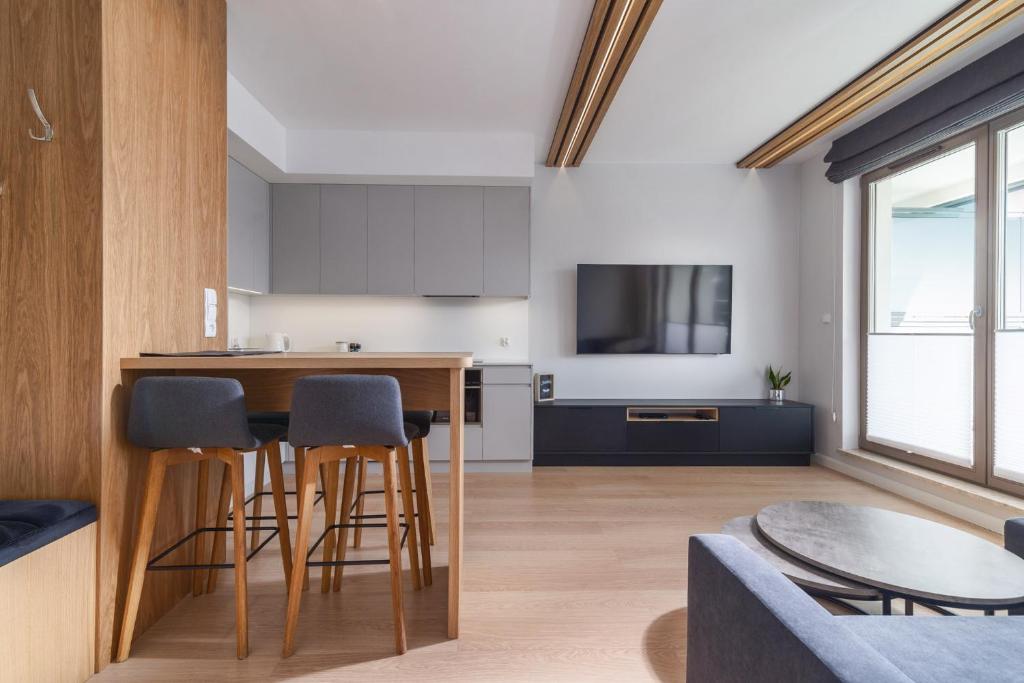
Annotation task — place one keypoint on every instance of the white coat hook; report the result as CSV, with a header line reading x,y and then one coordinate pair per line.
x,y
47,128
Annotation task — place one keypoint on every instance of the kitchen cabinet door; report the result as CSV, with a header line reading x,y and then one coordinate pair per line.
x,y
440,439
295,232
507,411
343,239
506,241
449,239
248,229
391,233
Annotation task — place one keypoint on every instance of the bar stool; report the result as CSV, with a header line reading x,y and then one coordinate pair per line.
x,y
198,419
342,417
420,420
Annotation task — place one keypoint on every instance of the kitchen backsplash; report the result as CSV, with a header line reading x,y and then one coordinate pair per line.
x,y
315,323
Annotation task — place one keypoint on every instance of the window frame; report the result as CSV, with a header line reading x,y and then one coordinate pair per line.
x,y
979,472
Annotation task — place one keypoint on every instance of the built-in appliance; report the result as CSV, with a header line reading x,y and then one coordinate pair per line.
x,y
471,401
652,309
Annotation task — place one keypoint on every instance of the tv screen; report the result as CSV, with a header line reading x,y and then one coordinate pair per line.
x,y
653,309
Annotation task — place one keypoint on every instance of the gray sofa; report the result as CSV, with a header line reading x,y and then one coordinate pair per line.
x,y
747,622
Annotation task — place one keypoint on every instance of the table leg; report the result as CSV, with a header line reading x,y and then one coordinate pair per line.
x,y
908,607
456,391
886,604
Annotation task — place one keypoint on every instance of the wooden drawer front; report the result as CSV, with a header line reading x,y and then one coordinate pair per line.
x,y
767,429
672,437
579,429
507,374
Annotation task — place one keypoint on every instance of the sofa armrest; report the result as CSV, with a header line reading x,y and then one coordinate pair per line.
x,y
1013,536
747,622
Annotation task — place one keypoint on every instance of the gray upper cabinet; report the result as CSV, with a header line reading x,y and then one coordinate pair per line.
x,y
506,241
248,229
343,254
391,235
295,252
449,241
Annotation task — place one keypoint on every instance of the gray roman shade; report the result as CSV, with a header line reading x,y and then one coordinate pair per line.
x,y
981,91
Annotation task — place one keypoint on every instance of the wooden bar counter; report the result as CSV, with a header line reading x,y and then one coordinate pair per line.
x,y
429,381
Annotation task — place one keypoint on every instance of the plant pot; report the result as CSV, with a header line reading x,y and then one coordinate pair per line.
x,y
777,395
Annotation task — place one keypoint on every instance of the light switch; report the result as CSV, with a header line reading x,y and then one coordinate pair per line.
x,y
210,312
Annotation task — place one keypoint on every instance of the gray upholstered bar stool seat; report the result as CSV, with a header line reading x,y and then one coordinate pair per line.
x,y
198,419
417,427
340,418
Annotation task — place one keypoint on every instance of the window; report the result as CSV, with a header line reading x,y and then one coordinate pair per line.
x,y
943,313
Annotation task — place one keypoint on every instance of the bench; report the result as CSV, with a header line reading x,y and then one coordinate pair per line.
x,y
47,589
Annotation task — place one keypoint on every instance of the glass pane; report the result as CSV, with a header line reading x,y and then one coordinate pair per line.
x,y
1008,449
920,389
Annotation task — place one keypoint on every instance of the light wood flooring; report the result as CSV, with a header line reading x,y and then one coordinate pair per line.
x,y
571,574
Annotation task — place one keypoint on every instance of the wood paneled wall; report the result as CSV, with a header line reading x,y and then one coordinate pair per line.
x,y
50,258
108,235
164,240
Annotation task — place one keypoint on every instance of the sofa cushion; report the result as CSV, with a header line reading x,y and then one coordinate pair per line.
x,y
947,649
26,525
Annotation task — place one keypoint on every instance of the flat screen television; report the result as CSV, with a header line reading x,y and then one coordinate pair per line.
x,y
625,309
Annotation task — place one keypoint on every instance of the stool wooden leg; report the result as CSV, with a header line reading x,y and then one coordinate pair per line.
x,y
140,557
280,507
199,544
422,454
346,508
357,535
257,500
410,516
329,475
236,467
300,469
306,494
394,548
423,519
219,537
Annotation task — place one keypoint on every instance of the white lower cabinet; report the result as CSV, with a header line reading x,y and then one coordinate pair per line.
x,y
507,414
439,442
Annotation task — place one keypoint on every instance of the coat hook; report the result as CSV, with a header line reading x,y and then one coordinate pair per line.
x,y
47,128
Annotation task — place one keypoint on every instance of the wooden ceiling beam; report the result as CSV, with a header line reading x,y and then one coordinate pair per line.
x,y
967,23
613,37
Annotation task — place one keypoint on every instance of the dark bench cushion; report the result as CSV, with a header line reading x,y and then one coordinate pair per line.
x,y
27,525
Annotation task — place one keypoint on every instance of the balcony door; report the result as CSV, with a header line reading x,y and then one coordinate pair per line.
x,y
926,289
943,307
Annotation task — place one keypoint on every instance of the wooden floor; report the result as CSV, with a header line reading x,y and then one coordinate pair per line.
x,y
575,574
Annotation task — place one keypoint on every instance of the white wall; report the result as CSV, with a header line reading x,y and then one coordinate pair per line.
x,y
667,214
380,323
829,285
238,319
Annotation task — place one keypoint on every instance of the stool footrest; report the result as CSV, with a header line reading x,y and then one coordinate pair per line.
x,y
357,525
152,565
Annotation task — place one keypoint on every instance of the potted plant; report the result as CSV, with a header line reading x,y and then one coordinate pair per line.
x,y
777,383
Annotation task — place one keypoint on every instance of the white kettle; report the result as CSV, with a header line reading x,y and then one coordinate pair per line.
x,y
278,341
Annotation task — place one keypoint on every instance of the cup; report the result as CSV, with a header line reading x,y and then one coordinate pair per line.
x,y
344,346
279,341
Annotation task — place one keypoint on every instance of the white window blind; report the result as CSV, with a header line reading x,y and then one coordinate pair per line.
x,y
1008,417
920,394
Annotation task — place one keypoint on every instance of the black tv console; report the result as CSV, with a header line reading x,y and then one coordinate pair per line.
x,y
665,432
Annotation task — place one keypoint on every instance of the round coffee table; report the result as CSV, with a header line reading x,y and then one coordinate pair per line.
x,y
900,555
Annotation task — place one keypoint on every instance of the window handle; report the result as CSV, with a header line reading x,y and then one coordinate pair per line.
x,y
976,312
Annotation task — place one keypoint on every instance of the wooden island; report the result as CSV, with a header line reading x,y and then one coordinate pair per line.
x,y
429,381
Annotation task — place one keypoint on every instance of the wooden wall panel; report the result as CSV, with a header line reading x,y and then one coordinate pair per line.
x,y
50,237
164,239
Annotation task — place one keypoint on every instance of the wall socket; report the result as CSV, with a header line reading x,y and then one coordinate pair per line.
x,y
209,312
505,342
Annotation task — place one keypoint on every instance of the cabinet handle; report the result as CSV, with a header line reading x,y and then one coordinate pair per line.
x,y
47,128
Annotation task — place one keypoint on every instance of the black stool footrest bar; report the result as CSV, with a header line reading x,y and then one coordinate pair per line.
x,y
154,567
358,525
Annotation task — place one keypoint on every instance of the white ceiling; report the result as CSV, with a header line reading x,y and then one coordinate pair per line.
x,y
712,80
